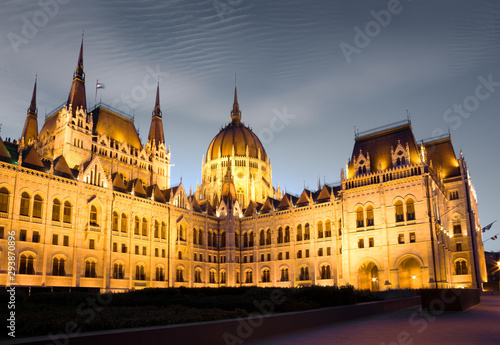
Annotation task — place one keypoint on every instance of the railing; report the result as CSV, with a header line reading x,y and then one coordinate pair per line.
x,y
54,111
384,176
358,134
114,110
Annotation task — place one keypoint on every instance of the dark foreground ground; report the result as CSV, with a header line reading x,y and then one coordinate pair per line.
x,y
479,325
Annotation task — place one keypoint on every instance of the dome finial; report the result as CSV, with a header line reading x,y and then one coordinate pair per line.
x,y
235,113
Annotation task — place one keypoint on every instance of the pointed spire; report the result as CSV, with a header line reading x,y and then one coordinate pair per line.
x,y
157,111
156,135
30,130
77,97
79,67
32,109
235,113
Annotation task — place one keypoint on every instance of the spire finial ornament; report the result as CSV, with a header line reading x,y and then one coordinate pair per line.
x,y
235,113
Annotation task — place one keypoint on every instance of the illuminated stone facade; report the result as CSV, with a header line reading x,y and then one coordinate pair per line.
x,y
92,207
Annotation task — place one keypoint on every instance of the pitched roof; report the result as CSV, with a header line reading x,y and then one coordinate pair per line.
x,y
442,155
304,198
32,160
61,168
378,144
4,153
115,126
118,183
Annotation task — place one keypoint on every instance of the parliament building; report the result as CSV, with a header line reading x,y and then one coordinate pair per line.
x,y
92,207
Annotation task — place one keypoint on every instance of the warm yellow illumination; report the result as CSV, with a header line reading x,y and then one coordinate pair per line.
x,y
374,279
413,277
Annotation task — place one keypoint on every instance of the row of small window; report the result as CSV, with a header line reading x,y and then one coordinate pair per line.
x,y
283,236
211,258
29,208
325,273
141,227
35,237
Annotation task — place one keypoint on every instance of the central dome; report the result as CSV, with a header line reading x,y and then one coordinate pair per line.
x,y
238,135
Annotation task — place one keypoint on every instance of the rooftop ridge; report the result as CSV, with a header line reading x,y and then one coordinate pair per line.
x,y
114,110
393,125
436,138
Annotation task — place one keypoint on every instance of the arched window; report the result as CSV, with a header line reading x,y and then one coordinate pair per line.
x,y
237,239
144,227
90,271
304,273
328,228
195,236
398,161
114,222
137,223
320,229
284,275
197,275
210,237
67,212
124,223
93,215
360,218
24,210
399,211
214,240
4,200
156,229
37,206
58,267
369,216
118,271
251,239
268,236
212,277
280,235
160,274
56,210
223,277
245,240
266,275
200,237
248,277
139,272
287,234
179,275
326,272
262,238
223,239
340,226
410,210
461,267
163,230
307,232
26,264
299,232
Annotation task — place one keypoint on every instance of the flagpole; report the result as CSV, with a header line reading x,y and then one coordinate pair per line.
x,y
494,237
95,97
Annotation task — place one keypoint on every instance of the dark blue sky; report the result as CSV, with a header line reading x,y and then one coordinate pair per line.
x,y
305,61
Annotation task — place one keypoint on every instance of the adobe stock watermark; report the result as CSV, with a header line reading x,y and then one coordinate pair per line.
x,y
277,123
455,115
87,309
372,29
226,7
129,101
422,317
32,23
246,326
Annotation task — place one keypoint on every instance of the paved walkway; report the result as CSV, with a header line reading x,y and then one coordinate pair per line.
x,y
479,325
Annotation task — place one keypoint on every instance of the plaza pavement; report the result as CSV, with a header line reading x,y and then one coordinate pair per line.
x,y
479,325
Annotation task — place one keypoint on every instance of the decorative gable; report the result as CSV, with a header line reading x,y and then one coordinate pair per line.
x,y
94,173
362,164
400,155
